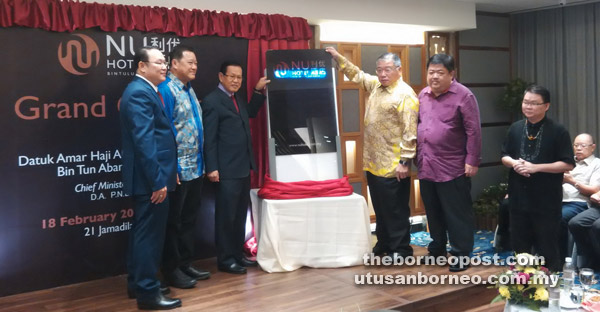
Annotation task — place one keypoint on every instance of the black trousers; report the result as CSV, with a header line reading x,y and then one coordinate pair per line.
x,y
569,211
585,228
184,203
535,225
390,202
146,240
233,197
504,225
450,216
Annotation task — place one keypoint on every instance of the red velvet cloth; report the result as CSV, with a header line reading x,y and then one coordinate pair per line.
x,y
257,62
294,190
305,189
67,16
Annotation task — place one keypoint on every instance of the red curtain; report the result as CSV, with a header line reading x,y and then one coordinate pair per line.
x,y
61,16
265,32
257,61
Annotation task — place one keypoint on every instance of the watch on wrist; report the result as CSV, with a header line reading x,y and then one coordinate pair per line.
x,y
403,162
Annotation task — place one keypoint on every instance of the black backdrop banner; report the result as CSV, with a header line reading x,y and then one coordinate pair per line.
x,y
63,216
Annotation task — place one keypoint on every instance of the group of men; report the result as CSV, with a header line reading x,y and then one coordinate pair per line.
x,y
551,185
441,128
534,216
171,141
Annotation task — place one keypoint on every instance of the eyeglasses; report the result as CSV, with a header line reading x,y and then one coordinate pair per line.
x,y
386,70
582,145
233,77
159,64
532,103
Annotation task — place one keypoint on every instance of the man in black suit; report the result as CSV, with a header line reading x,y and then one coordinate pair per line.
x,y
228,159
149,172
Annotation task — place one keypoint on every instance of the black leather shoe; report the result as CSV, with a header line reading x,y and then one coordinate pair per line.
x,y
245,262
437,254
232,268
160,302
178,279
195,273
164,289
459,267
379,251
396,255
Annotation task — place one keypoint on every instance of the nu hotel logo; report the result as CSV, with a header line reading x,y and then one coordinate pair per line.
x,y
78,55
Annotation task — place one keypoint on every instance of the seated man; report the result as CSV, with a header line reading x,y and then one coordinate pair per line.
x,y
585,228
579,184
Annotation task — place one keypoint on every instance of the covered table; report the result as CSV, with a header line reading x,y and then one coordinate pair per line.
x,y
323,232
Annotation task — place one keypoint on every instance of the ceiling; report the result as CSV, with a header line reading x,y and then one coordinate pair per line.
x,y
513,6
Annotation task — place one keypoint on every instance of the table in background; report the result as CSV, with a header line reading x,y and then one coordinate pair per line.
x,y
323,232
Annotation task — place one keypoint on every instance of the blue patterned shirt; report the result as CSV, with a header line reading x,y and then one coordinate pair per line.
x,y
183,109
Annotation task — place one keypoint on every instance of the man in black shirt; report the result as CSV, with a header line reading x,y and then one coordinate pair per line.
x,y
538,151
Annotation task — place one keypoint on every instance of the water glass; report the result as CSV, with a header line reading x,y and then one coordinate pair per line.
x,y
586,278
576,294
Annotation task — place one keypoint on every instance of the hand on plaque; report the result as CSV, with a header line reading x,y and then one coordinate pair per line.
x,y
262,82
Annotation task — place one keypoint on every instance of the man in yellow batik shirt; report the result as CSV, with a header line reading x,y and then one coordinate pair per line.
x,y
389,144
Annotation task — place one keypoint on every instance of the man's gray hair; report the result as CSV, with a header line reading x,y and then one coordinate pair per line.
x,y
587,135
390,57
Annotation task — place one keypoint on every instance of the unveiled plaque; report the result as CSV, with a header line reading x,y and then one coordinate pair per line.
x,y
302,116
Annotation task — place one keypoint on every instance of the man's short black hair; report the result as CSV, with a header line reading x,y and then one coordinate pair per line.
x,y
141,55
539,90
226,64
177,52
444,59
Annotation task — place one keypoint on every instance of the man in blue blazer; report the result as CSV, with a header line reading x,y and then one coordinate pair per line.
x,y
228,160
149,172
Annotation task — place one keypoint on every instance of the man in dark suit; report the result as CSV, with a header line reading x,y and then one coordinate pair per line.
x,y
228,159
149,172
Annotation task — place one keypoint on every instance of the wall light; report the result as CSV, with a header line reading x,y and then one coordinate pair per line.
x,y
367,32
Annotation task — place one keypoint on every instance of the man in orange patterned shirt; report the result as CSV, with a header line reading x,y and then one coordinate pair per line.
x,y
389,145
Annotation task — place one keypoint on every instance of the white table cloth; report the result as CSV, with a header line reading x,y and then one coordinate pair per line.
x,y
324,232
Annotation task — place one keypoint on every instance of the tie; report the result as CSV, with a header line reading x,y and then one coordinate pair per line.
x,y
235,103
161,98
